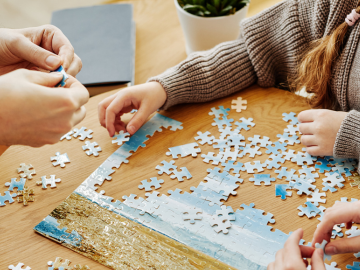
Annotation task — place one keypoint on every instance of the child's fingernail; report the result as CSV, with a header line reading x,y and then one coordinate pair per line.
x,y
331,250
131,129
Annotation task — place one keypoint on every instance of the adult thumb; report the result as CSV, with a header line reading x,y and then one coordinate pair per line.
x,y
36,55
43,78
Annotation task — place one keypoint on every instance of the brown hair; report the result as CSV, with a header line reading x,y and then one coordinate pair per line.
x,y
314,71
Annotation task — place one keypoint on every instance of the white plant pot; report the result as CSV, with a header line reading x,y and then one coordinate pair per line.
x,y
203,33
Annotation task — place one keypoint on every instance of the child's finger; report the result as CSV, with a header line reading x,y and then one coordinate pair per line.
x,y
339,213
307,128
306,116
138,119
102,109
346,245
317,260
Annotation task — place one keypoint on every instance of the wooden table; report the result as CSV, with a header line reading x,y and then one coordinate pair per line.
x,y
20,243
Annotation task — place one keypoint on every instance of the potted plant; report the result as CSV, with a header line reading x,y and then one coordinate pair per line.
x,y
206,23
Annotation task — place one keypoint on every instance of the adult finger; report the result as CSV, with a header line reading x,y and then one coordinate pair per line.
x,y
41,78
23,48
138,119
271,266
78,91
78,116
306,116
317,260
346,245
307,128
293,254
339,213
54,40
75,66
306,251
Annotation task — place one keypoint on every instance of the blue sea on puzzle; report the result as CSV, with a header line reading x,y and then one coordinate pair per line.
x,y
249,244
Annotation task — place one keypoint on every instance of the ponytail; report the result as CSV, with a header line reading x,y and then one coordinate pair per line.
x,y
315,69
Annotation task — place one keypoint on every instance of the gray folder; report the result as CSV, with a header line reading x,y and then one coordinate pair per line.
x,y
104,38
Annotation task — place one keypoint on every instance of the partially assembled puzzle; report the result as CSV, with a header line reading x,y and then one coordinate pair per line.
x,y
97,225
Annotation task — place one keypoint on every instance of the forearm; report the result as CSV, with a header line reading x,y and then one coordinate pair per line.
x,y
347,144
208,75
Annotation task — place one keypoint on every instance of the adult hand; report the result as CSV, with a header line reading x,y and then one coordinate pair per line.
x,y
34,113
146,98
341,212
319,129
291,256
44,47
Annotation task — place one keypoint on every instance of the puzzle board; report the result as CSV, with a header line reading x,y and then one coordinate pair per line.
x,y
142,165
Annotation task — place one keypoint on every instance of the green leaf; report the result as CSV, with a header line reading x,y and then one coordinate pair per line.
x,y
217,4
193,8
212,9
224,3
226,10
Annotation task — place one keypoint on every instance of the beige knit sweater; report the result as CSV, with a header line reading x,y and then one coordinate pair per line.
x,y
266,54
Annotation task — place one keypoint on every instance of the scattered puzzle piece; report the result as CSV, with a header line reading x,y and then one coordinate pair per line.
x,y
83,133
93,150
205,138
26,171
281,190
355,266
356,179
24,196
310,211
221,122
287,138
235,140
192,215
8,197
251,150
289,154
302,186
184,172
245,123
265,141
67,136
121,137
238,104
51,181
210,157
222,219
153,183
327,187
291,129
257,166
230,165
61,159
219,112
16,184
258,178
19,267
284,173
335,180
316,197
273,161
291,116
276,149
168,167
60,264
184,150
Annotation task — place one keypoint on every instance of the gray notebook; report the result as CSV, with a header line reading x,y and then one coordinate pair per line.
x,y
104,38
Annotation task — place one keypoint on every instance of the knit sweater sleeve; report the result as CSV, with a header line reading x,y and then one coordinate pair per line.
x,y
267,54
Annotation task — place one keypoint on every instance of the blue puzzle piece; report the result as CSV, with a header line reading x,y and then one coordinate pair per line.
x,y
245,123
323,166
276,148
258,178
7,197
280,190
16,184
62,83
230,165
221,122
290,116
310,211
154,182
355,266
219,112
284,173
327,187
322,246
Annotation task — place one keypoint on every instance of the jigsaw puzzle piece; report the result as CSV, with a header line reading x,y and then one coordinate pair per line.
x,y
291,117
245,123
211,157
184,150
60,159
168,167
92,148
184,172
191,214
259,178
281,190
221,122
238,104
205,138
25,171
219,112
67,136
154,182
310,210
322,246
285,173
120,138
83,133
51,181
19,267
25,196
16,184
7,197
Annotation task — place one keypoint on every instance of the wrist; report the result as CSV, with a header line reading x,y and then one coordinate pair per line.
x,y
159,93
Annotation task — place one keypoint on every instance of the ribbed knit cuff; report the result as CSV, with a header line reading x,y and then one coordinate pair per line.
x,y
347,144
208,75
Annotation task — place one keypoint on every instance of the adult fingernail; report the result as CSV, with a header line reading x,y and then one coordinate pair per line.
x,y
331,250
131,129
53,61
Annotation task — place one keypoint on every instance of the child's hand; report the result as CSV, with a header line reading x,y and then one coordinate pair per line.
x,y
146,98
319,129
341,212
291,256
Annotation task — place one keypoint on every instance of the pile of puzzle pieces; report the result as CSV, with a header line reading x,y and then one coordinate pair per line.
x,y
58,264
195,218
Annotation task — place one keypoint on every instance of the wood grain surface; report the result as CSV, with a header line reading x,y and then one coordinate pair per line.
x,y
160,45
